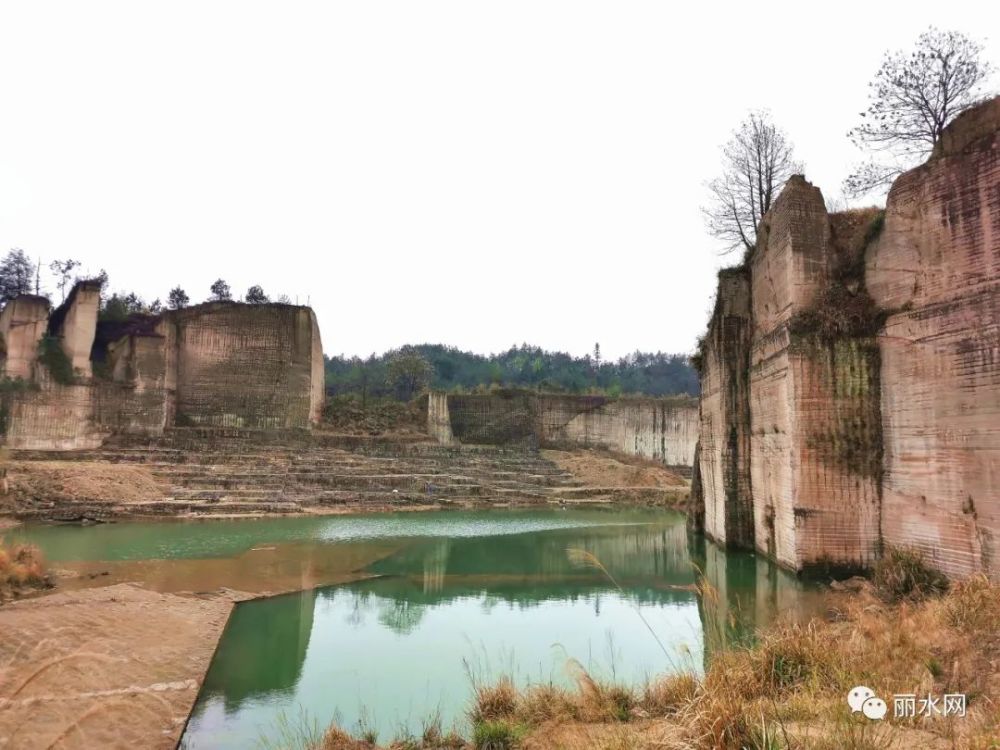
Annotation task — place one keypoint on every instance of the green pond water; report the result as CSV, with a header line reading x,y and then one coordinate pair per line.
x,y
465,596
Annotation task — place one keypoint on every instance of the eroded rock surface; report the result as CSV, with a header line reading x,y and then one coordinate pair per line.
x,y
873,401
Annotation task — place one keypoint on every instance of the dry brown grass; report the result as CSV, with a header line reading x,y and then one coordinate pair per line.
x,y
497,701
787,690
336,738
21,567
666,695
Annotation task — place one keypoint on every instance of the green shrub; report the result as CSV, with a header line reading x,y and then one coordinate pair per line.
x,y
51,354
16,385
499,734
875,227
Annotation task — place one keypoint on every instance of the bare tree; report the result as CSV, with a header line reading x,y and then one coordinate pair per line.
x,y
757,161
913,97
63,270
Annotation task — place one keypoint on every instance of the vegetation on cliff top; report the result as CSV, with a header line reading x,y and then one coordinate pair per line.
x,y
756,162
844,309
913,97
19,274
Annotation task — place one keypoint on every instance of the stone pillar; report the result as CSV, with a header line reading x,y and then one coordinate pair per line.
x,y
75,322
724,454
23,323
438,418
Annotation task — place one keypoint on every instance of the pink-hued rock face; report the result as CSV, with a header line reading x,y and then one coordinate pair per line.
x,y
811,401
724,456
886,429
937,265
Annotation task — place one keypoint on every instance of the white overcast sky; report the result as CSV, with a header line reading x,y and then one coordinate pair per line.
x,y
472,173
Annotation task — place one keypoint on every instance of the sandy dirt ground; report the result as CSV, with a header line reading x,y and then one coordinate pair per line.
x,y
617,479
119,667
83,482
116,667
607,469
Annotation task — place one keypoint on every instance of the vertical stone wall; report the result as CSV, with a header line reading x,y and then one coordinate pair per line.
x,y
837,448
439,418
226,364
936,267
813,400
501,418
874,371
51,417
23,323
249,366
724,414
663,429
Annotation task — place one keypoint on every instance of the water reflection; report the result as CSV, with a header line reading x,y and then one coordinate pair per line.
x,y
254,661
745,592
398,647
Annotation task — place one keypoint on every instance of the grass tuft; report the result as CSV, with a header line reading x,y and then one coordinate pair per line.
x,y
499,734
904,574
21,567
494,702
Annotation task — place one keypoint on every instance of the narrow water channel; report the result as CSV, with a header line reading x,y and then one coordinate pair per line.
x,y
459,597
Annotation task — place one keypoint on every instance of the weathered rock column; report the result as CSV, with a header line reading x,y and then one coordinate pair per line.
x,y
438,418
815,442
23,323
724,452
74,322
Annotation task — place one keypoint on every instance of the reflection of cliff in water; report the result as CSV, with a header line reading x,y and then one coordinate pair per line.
x,y
262,650
746,592
649,561
628,552
264,647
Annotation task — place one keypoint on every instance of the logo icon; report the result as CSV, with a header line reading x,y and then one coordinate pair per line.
x,y
863,699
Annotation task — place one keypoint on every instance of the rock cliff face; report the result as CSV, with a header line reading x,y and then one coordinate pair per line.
x,y
663,429
245,365
871,391
219,364
724,443
937,264
23,323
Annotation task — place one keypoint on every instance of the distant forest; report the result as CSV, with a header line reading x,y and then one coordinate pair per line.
x,y
403,373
